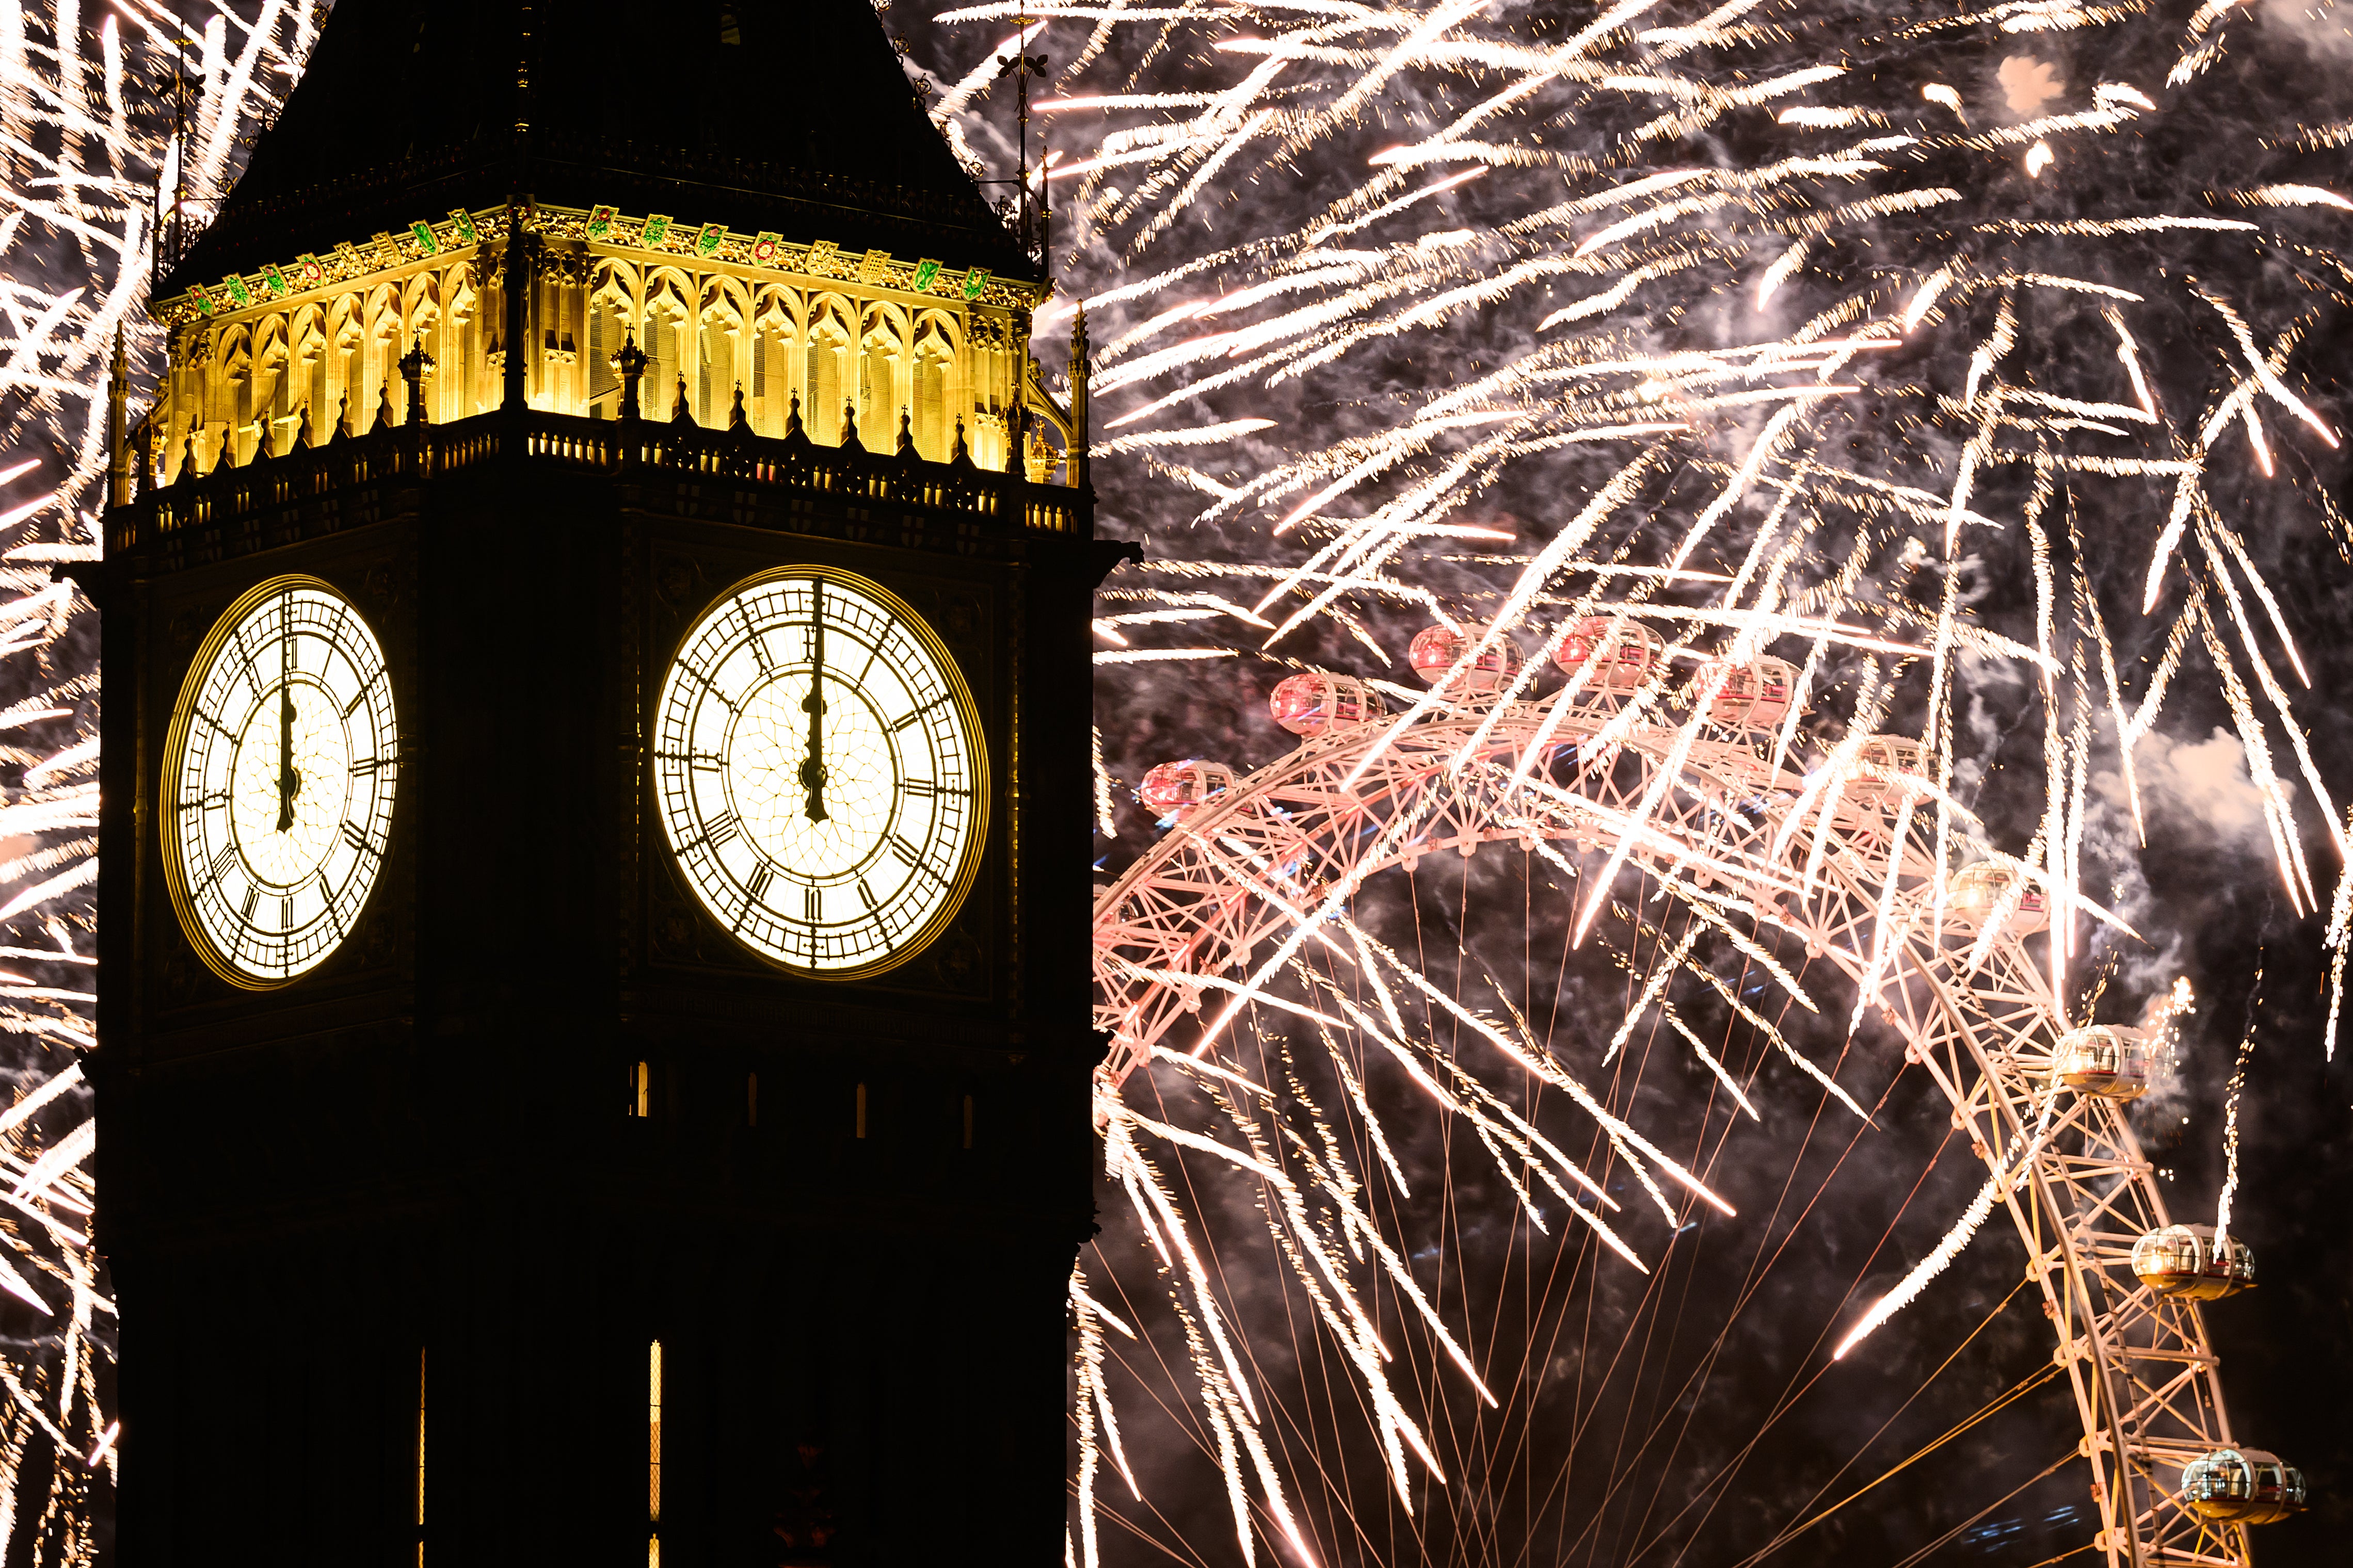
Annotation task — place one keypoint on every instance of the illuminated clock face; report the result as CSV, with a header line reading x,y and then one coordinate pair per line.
x,y
820,773
278,782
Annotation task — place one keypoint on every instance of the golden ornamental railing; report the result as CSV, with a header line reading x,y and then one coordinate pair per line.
x,y
643,448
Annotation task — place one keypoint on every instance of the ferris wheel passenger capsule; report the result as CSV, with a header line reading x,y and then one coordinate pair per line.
x,y
1441,648
2111,1063
2193,1262
2242,1486
1980,889
1313,702
1628,652
1756,695
1887,768
1177,790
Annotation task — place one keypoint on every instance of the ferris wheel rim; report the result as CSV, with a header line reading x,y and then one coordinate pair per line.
x,y
2142,1519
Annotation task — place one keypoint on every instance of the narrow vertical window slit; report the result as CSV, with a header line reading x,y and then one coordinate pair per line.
x,y
421,1456
653,1454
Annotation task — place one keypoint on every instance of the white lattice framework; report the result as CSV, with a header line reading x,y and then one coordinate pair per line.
x,y
1243,870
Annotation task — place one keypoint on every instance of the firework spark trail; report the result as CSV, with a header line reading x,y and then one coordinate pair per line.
x,y
1650,306
2020,1154
2231,1112
85,140
82,151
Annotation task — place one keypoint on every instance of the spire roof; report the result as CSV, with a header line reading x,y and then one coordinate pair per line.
x,y
790,115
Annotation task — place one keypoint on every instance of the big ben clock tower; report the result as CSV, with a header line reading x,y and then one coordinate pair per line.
x,y
594,989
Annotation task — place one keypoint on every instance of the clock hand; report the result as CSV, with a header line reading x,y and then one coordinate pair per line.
x,y
289,781
813,765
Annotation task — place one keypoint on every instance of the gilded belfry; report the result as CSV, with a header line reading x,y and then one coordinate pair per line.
x,y
740,327
594,972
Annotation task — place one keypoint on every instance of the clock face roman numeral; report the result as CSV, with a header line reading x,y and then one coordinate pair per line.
x,y
380,678
910,717
811,731
285,753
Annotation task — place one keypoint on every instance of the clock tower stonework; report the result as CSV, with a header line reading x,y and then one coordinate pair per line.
x,y
545,1196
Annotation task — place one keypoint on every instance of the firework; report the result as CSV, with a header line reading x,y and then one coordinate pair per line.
x,y
91,147
1957,356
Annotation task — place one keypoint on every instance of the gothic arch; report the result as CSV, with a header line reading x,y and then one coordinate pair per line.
x,y
615,290
723,363
882,374
935,376
831,372
229,389
666,333
780,360
307,366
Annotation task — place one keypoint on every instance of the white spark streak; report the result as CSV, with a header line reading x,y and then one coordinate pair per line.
x,y
1161,655
1963,1232
1574,380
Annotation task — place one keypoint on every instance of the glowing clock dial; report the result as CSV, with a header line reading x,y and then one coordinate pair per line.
x,y
820,772
278,782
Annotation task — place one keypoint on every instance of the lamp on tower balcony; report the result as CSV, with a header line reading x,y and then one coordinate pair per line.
x,y
415,366
630,363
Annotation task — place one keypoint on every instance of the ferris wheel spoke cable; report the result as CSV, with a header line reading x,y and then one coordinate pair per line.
x,y
1641,1363
1791,1392
2003,1401
1820,863
1761,1266
1762,1263
1748,1291
1955,1533
1691,1270
2031,1381
1577,1402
